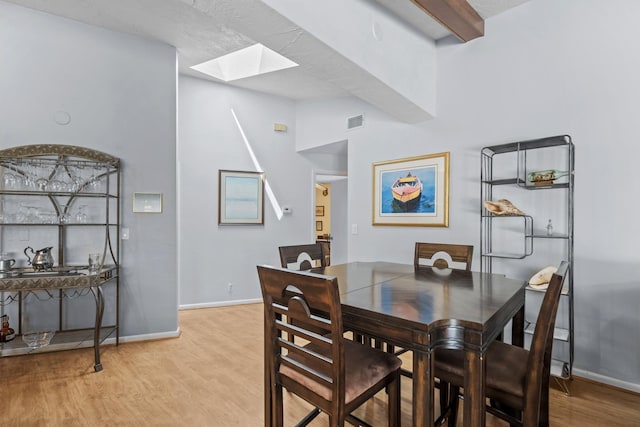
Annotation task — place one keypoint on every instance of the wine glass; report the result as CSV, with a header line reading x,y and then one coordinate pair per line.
x,y
81,215
96,177
44,171
9,180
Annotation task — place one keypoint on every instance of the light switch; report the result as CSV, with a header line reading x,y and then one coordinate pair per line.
x,y
354,228
125,233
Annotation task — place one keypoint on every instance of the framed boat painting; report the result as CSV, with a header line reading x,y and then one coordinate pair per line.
x,y
240,197
412,191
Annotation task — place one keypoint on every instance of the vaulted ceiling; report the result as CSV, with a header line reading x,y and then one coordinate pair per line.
x,y
204,29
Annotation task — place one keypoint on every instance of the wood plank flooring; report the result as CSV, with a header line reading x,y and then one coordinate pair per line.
x,y
212,376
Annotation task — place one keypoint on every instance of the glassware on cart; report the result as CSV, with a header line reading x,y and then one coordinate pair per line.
x,y
94,263
37,339
81,215
12,181
96,178
6,262
64,218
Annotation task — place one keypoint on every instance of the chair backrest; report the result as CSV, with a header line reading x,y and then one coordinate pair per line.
x,y
302,257
443,255
539,363
309,302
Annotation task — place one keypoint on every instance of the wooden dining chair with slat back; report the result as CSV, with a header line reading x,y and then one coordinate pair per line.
x,y
302,257
332,373
517,380
440,255
443,255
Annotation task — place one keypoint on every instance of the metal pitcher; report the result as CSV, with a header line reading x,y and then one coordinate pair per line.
x,y
42,259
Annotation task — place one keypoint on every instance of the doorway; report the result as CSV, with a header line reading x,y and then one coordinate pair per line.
x,y
331,216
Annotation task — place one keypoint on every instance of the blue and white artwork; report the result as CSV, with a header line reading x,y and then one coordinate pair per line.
x,y
425,204
242,197
412,192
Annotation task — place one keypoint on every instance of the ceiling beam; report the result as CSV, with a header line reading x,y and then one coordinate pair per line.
x,y
456,15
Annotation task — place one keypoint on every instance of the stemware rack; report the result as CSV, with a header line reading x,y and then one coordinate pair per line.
x,y
67,197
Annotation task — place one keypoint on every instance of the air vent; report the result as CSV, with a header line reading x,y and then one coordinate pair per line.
x,y
355,122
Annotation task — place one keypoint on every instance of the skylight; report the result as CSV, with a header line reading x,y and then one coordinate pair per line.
x,y
247,62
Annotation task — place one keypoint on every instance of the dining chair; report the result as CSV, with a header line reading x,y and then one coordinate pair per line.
x,y
332,373
442,255
517,380
302,257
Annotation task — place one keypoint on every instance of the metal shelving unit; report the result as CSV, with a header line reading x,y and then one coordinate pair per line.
x,y
68,197
508,242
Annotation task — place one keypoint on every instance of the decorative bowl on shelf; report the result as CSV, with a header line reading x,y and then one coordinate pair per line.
x,y
38,339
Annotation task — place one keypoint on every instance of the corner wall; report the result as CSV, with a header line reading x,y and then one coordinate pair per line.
x,y
120,92
544,68
213,256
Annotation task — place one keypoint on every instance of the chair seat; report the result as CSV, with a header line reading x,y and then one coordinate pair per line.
x,y
505,372
364,367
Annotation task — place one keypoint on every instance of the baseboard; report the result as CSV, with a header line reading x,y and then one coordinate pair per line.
x,y
146,337
218,304
176,333
607,380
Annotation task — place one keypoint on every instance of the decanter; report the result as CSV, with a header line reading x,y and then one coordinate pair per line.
x,y
546,175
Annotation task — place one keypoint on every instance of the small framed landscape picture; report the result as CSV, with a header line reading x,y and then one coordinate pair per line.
x,y
240,197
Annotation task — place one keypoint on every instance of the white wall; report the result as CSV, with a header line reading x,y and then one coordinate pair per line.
x,y
544,68
339,218
373,39
120,92
212,256
549,68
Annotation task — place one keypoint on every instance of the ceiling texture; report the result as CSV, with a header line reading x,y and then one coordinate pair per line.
x,y
204,29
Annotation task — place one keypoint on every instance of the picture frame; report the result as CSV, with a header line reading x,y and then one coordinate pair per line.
x,y
240,198
144,202
413,191
319,210
318,225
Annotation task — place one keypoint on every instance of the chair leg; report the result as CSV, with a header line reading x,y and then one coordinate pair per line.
x,y
393,407
444,397
454,402
543,420
277,407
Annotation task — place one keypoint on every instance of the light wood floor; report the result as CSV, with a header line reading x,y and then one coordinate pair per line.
x,y
212,376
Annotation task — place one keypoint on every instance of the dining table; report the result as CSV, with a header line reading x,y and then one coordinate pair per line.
x,y
427,308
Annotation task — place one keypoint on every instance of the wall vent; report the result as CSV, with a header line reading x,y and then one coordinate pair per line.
x,y
355,122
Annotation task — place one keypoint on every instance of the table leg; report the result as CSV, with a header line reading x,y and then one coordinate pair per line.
x,y
422,389
474,389
517,328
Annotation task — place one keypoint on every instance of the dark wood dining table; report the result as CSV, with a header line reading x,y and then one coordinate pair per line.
x,y
425,310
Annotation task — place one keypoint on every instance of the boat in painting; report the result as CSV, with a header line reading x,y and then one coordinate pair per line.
x,y
407,190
